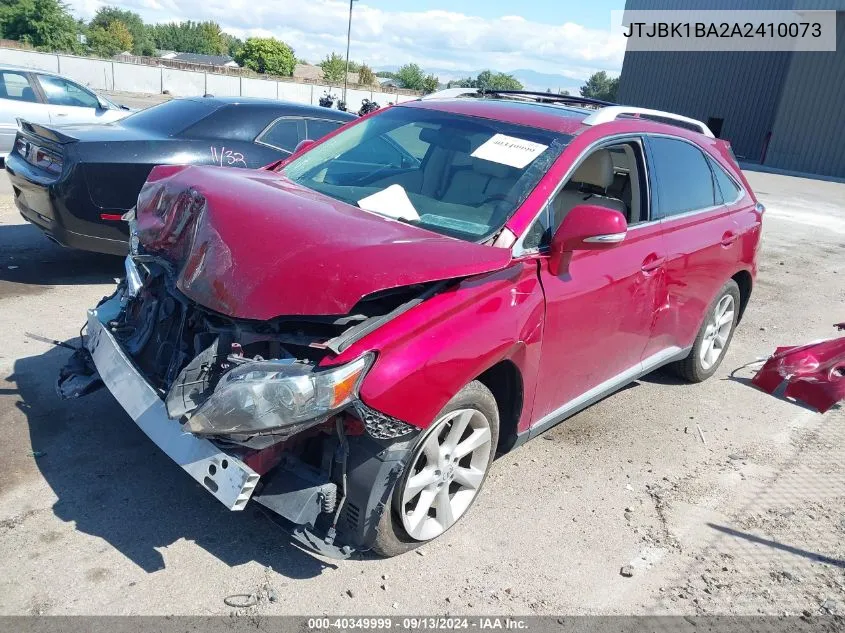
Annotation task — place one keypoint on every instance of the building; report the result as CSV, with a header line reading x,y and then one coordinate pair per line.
x,y
783,110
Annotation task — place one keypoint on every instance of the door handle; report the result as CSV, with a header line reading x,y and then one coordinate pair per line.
x,y
652,263
729,238
61,113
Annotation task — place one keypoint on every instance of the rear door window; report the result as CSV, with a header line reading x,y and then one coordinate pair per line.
x,y
16,86
684,180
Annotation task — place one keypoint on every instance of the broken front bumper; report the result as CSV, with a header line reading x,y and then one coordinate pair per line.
x,y
226,477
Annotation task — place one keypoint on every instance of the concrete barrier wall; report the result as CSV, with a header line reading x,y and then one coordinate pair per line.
x,y
183,83
259,88
104,74
223,85
94,73
136,78
30,59
383,98
299,93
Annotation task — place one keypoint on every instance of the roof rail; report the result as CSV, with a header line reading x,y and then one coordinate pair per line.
x,y
611,113
542,97
550,97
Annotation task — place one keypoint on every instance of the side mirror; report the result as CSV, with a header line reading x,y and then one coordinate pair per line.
x,y
102,104
306,142
585,227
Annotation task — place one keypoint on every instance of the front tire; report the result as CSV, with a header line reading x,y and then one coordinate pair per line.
x,y
444,473
714,337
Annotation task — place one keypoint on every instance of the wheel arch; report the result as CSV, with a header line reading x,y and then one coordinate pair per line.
x,y
745,282
504,380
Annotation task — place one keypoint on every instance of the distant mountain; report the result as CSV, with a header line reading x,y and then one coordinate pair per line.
x,y
531,79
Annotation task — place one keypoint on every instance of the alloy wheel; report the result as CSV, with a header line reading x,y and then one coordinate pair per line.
x,y
718,332
446,473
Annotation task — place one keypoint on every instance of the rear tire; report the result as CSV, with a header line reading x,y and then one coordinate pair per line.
x,y
448,466
713,338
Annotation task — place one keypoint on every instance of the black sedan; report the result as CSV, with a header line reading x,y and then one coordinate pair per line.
x,y
75,182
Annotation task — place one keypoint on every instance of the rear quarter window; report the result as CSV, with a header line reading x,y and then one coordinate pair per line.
x,y
726,189
16,86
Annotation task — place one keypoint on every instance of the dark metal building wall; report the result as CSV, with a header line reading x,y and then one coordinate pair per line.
x,y
796,99
743,89
808,133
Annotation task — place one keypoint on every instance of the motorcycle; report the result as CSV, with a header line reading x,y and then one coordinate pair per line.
x,y
327,100
368,106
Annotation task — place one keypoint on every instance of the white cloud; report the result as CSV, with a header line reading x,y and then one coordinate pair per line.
x,y
434,39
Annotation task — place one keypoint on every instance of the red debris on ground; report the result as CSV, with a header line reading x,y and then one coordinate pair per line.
x,y
815,372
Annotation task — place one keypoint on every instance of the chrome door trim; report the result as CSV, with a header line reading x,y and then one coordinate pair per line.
x,y
607,238
607,387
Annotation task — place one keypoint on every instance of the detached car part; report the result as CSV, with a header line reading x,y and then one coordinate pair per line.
x,y
814,373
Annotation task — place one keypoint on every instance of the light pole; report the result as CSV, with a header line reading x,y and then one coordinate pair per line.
x,y
348,37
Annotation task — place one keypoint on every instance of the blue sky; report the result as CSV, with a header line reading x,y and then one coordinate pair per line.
x,y
592,13
566,39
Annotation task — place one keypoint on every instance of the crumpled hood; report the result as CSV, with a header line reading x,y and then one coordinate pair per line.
x,y
254,245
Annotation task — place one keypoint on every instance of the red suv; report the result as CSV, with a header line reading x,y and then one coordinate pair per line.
x,y
348,338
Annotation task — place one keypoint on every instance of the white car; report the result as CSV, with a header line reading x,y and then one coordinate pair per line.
x,y
44,97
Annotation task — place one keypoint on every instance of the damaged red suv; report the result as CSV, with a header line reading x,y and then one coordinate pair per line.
x,y
348,338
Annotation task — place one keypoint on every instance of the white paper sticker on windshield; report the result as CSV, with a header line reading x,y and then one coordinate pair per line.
x,y
509,150
392,202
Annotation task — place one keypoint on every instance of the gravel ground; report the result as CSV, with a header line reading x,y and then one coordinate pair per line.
x,y
95,520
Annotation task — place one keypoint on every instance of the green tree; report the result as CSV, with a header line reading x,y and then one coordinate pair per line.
x,y
334,68
233,44
386,74
267,55
600,86
466,82
489,80
430,84
109,41
203,38
410,76
142,43
366,76
44,24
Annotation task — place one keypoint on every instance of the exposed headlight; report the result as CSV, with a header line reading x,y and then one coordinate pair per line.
x,y
277,397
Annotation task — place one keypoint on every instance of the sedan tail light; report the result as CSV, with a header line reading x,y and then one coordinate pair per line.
x,y
46,159
42,157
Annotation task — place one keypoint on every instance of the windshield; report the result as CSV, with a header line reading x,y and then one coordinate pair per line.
x,y
457,175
